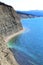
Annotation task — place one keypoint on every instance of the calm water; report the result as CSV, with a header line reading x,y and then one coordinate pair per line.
x,y
28,46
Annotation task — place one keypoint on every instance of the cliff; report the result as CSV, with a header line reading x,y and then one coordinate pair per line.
x,y
26,14
9,20
6,56
9,24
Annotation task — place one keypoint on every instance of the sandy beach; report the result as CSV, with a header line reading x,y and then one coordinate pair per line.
x,y
13,35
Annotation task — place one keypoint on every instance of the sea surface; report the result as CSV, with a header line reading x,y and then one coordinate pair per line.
x,y
28,46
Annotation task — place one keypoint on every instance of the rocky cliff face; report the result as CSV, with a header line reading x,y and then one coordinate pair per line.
x,y
9,20
9,24
6,56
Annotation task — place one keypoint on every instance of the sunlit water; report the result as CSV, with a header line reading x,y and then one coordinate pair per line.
x,y
28,46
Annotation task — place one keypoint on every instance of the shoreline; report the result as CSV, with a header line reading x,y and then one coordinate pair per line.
x,y
13,35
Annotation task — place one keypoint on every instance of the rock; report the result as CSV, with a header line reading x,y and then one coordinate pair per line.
x,y
9,24
6,56
9,20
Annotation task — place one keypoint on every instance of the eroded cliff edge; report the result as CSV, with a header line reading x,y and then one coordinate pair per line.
x,y
6,56
9,24
9,20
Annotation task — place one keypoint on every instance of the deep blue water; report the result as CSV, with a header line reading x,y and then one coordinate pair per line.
x,y
28,46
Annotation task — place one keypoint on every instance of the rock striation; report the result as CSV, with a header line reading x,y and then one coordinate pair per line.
x,y
9,24
9,20
6,56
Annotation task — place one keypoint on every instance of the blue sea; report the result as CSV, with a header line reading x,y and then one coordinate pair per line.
x,y
28,46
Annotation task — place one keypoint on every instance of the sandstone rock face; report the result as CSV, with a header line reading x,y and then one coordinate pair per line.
x,y
6,56
9,20
9,24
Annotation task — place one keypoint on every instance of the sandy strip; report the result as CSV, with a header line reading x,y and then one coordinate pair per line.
x,y
13,35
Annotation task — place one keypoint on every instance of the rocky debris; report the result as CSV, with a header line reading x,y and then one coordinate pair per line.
x,y
6,56
9,24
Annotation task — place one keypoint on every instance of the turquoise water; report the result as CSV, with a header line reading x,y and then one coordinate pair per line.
x,y
28,46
